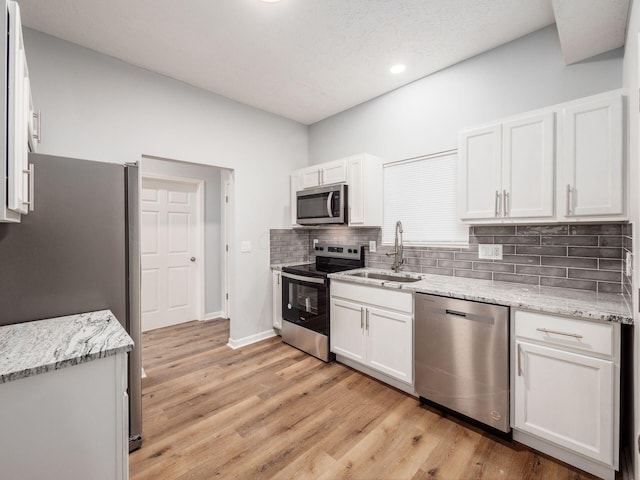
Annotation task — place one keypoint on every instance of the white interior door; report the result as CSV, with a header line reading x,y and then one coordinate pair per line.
x,y
170,250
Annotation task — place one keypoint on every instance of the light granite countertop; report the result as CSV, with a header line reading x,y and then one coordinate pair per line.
x,y
280,266
41,346
609,307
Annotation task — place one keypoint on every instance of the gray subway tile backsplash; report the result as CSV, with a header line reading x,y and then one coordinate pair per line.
x,y
585,257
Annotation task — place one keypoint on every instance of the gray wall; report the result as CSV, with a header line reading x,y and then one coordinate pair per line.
x,y
99,108
425,116
213,280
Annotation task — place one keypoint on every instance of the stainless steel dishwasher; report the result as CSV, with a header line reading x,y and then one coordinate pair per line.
x,y
462,357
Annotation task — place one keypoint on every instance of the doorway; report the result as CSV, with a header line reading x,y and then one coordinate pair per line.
x,y
172,226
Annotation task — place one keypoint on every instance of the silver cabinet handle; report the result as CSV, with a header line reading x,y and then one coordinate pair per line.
x,y
555,332
193,259
38,129
519,362
505,202
278,279
30,173
319,181
361,318
322,176
497,206
569,191
367,321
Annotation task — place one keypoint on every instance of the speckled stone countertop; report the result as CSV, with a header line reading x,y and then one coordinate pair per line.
x,y
279,266
37,347
609,307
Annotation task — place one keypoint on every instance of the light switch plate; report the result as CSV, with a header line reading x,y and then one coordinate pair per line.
x,y
372,246
489,251
245,246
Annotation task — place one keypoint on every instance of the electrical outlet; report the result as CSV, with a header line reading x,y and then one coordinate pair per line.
x,y
490,252
245,246
315,242
372,246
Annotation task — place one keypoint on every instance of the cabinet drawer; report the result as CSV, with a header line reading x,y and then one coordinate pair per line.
x,y
389,299
576,334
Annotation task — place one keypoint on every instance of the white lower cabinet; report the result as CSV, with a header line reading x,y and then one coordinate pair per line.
x,y
373,327
277,299
347,330
566,389
70,423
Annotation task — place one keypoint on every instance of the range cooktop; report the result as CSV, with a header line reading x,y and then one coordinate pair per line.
x,y
330,258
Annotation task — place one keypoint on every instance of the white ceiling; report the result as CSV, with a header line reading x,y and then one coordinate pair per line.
x,y
302,59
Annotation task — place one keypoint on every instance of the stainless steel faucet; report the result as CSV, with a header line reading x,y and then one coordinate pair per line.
x,y
398,254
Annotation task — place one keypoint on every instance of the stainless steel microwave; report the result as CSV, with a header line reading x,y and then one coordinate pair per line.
x,y
322,205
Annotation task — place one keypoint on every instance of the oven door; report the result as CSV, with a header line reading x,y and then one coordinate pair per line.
x,y
305,302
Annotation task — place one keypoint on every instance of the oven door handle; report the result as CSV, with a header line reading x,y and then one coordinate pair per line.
x,y
302,278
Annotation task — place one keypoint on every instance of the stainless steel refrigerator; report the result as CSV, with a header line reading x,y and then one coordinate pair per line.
x,y
78,251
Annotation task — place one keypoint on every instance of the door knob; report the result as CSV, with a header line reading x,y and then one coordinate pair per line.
x,y
193,259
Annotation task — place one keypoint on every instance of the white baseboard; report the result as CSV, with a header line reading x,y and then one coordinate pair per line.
x,y
214,316
243,342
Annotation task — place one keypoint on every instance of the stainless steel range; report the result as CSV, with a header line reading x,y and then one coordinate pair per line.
x,y
305,297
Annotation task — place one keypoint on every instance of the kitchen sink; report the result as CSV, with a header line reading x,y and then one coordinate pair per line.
x,y
385,277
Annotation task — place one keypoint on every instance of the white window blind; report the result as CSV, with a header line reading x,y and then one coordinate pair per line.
x,y
422,194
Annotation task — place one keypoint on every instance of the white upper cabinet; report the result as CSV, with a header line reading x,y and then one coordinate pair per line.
x,y
528,152
532,168
506,169
20,133
324,174
294,185
364,179
363,175
480,173
591,175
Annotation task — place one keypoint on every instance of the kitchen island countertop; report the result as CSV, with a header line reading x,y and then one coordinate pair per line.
x,y
590,305
40,346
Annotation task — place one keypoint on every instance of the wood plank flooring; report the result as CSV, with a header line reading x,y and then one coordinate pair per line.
x,y
271,411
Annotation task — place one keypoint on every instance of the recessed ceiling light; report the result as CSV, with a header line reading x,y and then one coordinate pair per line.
x,y
398,68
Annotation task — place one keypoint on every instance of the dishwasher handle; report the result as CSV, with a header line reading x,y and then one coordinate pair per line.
x,y
455,313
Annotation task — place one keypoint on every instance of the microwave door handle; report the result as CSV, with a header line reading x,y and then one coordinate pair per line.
x,y
329,201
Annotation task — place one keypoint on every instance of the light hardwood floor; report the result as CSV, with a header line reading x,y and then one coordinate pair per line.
x,y
271,411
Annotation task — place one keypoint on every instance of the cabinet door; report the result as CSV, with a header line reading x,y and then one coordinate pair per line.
x,y
479,171
565,398
528,150
294,186
356,190
333,172
309,177
277,299
17,118
347,329
390,343
593,158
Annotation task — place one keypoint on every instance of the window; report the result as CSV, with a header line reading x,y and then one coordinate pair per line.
x,y
422,193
